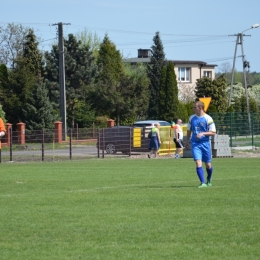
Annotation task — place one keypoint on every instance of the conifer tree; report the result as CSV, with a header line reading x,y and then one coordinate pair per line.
x,y
154,70
38,109
107,95
32,55
3,81
80,72
120,91
162,93
22,79
168,94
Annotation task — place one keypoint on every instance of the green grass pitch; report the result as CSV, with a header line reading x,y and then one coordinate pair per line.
x,y
129,209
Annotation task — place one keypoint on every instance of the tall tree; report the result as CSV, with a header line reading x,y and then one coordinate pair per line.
x,y
12,39
32,55
162,93
3,81
80,72
22,79
216,89
220,99
38,109
106,95
154,70
121,90
20,84
138,84
90,39
169,95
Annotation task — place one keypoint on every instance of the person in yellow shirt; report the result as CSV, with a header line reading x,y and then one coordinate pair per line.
x,y
155,141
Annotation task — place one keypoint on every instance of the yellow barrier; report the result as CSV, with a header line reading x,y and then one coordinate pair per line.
x,y
137,139
167,144
166,134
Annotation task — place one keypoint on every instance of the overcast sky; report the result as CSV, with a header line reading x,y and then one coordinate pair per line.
x,y
190,30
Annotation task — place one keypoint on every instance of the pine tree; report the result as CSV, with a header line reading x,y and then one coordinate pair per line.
x,y
107,95
20,84
168,94
80,72
120,91
172,102
38,109
32,55
154,70
3,81
27,71
162,94
220,99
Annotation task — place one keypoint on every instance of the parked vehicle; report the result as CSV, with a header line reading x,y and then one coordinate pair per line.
x,y
115,139
150,123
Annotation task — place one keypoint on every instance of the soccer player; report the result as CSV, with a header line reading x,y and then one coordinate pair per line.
x,y
178,136
199,130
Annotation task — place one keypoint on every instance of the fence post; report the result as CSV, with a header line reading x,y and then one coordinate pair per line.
x,y
70,143
103,143
58,132
230,129
7,137
42,144
93,130
252,128
11,143
110,123
21,132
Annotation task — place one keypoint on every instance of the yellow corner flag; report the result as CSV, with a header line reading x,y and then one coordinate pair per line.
x,y
206,102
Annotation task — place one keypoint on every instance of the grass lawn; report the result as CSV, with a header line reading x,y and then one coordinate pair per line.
x,y
129,209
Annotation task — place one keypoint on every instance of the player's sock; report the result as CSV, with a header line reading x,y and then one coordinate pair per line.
x,y
209,172
200,174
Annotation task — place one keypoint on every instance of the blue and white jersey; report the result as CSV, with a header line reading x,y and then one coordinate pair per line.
x,y
199,124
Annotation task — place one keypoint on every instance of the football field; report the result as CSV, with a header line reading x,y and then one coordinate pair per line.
x,y
129,209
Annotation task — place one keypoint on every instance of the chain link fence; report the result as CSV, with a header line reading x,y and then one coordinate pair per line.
x,y
40,145
243,130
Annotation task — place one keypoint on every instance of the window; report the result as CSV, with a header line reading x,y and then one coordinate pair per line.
x,y
207,74
184,74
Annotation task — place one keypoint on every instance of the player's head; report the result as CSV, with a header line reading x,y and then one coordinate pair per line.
x,y
198,107
179,121
157,124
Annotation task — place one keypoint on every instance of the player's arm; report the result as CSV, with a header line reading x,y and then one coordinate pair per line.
x,y
158,135
211,130
188,138
210,133
176,132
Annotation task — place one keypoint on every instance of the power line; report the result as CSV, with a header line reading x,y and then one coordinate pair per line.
x,y
48,40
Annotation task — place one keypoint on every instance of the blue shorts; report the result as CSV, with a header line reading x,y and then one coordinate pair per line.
x,y
201,151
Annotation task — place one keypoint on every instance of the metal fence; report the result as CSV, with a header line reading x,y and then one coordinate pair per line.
x,y
40,145
85,143
242,128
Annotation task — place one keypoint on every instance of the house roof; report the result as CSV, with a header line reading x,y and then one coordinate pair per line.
x,y
179,62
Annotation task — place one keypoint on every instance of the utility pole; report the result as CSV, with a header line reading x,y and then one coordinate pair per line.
x,y
245,64
63,109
